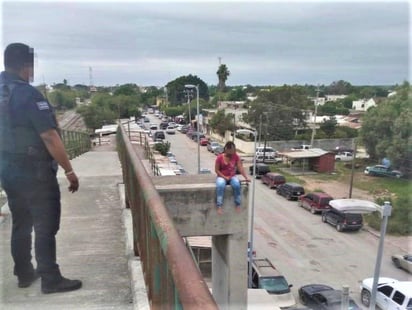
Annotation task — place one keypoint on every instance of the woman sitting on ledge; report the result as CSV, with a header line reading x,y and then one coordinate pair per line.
x,y
225,168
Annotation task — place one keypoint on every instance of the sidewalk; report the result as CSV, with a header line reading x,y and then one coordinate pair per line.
x,y
91,244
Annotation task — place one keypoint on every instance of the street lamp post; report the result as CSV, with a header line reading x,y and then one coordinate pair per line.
x,y
252,209
364,206
197,123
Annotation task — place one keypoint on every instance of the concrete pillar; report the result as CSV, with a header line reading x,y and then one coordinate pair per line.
x,y
191,203
229,271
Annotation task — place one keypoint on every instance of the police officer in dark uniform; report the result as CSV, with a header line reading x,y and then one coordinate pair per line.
x,y
30,151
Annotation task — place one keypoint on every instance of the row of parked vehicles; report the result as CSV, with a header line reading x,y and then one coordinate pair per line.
x,y
315,202
391,294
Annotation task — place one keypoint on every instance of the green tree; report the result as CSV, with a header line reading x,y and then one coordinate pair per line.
x,y
222,74
177,93
279,110
62,99
236,94
339,88
386,128
222,122
127,90
329,126
332,108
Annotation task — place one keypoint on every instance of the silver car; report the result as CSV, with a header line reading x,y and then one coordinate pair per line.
x,y
403,261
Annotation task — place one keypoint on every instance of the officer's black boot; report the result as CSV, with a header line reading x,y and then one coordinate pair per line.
x,y
60,285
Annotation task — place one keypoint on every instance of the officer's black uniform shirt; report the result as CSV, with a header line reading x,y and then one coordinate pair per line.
x,y
30,114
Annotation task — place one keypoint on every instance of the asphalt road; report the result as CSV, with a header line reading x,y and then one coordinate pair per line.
x,y
299,244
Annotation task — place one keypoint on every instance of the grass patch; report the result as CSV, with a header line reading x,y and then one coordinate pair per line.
x,y
289,177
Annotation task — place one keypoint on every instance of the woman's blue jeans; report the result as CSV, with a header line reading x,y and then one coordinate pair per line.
x,y
220,190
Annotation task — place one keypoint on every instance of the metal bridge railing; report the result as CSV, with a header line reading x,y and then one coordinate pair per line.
x,y
76,143
172,278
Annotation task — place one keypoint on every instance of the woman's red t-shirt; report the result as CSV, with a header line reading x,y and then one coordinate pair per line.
x,y
228,169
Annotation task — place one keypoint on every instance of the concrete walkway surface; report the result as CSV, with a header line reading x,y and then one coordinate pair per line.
x,y
91,244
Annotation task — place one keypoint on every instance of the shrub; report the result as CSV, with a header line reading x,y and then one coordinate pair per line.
x,y
399,223
162,147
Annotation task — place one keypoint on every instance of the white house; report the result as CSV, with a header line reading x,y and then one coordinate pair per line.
x,y
363,104
335,97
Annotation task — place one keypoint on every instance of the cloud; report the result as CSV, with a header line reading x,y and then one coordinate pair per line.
x,y
152,43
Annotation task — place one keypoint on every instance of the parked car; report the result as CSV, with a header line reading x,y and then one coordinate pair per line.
x,y
344,156
342,220
382,171
218,150
171,157
153,127
170,130
315,202
290,190
195,136
212,145
268,159
390,295
184,129
403,261
266,276
204,141
163,125
159,135
319,296
261,169
266,151
273,180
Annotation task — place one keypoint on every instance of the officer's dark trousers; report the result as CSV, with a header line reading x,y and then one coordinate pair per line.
x,y
34,200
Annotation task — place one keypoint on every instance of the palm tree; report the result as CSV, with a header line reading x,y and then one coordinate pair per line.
x,y
222,73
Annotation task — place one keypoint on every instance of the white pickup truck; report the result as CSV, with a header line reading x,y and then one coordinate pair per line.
x,y
344,156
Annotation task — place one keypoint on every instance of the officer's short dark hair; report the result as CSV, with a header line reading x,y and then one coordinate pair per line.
x,y
17,56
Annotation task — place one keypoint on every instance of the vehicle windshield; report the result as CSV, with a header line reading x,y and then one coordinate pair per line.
x,y
325,201
275,285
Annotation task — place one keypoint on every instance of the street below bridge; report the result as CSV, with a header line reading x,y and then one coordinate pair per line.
x,y
299,244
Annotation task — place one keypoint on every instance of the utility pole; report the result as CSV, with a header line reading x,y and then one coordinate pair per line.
x,y
354,146
314,117
188,94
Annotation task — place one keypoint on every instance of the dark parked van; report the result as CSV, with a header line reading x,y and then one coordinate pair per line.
x,y
159,135
290,190
342,221
273,180
164,125
261,169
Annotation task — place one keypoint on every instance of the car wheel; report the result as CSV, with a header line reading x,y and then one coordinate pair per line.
x,y
365,297
303,299
312,210
396,262
339,227
398,176
323,218
288,197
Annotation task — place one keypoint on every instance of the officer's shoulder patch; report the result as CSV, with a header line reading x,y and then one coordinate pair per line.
x,y
42,105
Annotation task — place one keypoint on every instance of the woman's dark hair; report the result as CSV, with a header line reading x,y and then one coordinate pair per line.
x,y
17,56
229,145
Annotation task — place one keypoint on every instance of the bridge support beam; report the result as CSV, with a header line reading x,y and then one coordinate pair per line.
x,y
191,202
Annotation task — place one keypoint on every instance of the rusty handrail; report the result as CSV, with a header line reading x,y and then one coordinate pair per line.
x,y
172,278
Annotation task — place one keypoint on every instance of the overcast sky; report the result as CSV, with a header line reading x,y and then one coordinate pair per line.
x,y
262,43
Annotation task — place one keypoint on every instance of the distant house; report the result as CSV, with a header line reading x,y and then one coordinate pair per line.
x,y
333,98
312,159
363,104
